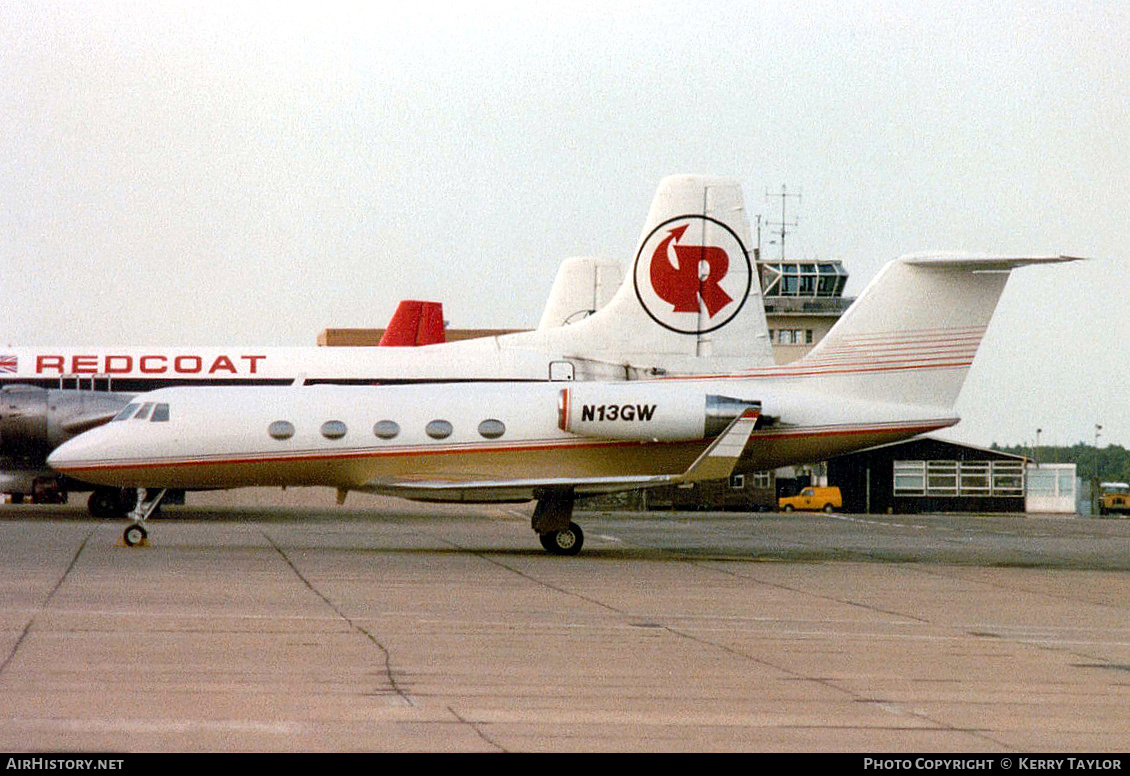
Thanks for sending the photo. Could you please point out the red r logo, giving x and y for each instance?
(692, 274)
(683, 285)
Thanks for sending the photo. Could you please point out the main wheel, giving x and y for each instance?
(107, 503)
(134, 535)
(567, 541)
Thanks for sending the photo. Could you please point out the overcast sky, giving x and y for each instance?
(233, 172)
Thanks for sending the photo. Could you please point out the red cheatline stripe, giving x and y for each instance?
(910, 427)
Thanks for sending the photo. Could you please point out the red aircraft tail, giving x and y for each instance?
(415, 323)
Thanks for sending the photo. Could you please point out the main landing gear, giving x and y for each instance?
(552, 520)
(146, 505)
(566, 541)
(111, 503)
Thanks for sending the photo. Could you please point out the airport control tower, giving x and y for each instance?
(803, 297)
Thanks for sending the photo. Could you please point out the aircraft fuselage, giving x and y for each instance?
(387, 437)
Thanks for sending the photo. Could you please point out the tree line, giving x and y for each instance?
(1106, 464)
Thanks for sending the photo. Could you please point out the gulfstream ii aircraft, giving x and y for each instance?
(891, 368)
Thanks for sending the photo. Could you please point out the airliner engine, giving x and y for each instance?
(647, 412)
(37, 420)
(33, 422)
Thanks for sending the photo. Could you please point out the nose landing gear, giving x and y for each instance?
(135, 533)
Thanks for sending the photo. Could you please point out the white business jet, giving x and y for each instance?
(891, 368)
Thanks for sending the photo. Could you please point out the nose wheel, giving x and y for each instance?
(135, 534)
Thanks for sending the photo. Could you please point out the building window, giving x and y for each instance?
(792, 336)
(910, 478)
(763, 479)
(941, 478)
(975, 479)
(823, 279)
(998, 479)
(1008, 478)
(737, 481)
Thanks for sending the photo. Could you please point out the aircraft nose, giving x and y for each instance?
(77, 453)
(67, 455)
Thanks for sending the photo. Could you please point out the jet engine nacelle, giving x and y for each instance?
(648, 412)
(34, 421)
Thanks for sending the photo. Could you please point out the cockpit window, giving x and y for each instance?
(160, 414)
(143, 413)
(126, 412)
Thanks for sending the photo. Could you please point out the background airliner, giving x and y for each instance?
(593, 327)
(891, 368)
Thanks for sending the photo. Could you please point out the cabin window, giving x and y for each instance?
(386, 429)
(160, 414)
(126, 412)
(281, 429)
(491, 429)
(333, 429)
(439, 429)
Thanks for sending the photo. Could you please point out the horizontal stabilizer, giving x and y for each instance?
(912, 334)
(981, 262)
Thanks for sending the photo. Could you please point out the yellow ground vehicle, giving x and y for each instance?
(1114, 498)
(812, 499)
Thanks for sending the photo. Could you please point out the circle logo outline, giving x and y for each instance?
(646, 242)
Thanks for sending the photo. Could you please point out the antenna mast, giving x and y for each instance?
(783, 224)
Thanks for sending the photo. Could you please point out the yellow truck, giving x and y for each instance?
(813, 499)
(1114, 498)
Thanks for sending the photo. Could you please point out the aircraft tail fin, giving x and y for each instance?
(691, 301)
(911, 336)
(583, 285)
(414, 323)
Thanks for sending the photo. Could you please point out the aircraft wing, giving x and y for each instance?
(717, 461)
